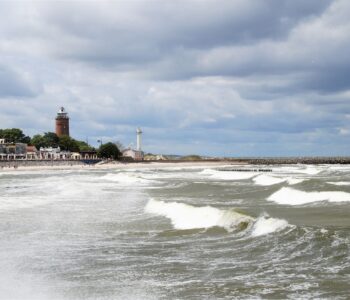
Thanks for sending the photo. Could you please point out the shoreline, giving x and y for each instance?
(114, 165)
(9, 166)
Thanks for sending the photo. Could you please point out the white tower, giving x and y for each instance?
(138, 140)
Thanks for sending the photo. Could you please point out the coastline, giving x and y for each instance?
(8, 166)
(114, 165)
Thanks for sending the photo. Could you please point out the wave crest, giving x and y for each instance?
(228, 175)
(126, 178)
(265, 225)
(267, 180)
(184, 216)
(289, 196)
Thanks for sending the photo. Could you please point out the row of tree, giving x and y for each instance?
(66, 143)
(50, 139)
(14, 135)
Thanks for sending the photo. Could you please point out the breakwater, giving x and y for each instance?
(294, 160)
(261, 160)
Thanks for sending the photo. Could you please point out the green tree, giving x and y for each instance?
(39, 141)
(66, 143)
(83, 146)
(51, 138)
(109, 150)
(14, 135)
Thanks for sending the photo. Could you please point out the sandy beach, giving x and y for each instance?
(123, 166)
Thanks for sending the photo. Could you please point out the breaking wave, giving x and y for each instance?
(289, 196)
(339, 182)
(184, 216)
(308, 170)
(267, 180)
(265, 225)
(227, 175)
(126, 179)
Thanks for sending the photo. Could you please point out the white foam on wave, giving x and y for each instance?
(265, 225)
(339, 182)
(308, 170)
(41, 191)
(228, 175)
(344, 168)
(266, 180)
(289, 196)
(126, 178)
(184, 216)
(293, 181)
(311, 170)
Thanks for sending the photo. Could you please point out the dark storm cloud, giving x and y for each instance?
(142, 31)
(262, 76)
(185, 39)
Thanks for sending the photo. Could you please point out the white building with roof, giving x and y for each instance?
(138, 153)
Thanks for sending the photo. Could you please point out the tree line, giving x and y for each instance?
(66, 143)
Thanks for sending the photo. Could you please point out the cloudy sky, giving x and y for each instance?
(212, 77)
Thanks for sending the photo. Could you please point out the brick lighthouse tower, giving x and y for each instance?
(62, 122)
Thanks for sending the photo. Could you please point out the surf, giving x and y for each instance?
(227, 175)
(266, 180)
(184, 216)
(290, 196)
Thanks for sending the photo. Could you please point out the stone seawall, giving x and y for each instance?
(39, 163)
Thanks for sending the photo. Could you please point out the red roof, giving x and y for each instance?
(31, 149)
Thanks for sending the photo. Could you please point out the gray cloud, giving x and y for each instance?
(256, 76)
(13, 84)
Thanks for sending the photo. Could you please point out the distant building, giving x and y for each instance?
(134, 154)
(53, 153)
(32, 153)
(92, 154)
(155, 157)
(84, 155)
(12, 151)
(62, 122)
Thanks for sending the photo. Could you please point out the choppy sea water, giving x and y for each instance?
(176, 233)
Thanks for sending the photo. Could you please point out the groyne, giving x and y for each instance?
(294, 160)
(265, 160)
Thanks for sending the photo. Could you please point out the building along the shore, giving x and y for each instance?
(132, 153)
(12, 151)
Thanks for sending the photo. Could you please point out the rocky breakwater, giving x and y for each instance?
(296, 160)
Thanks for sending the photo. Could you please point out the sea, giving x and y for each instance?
(179, 232)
